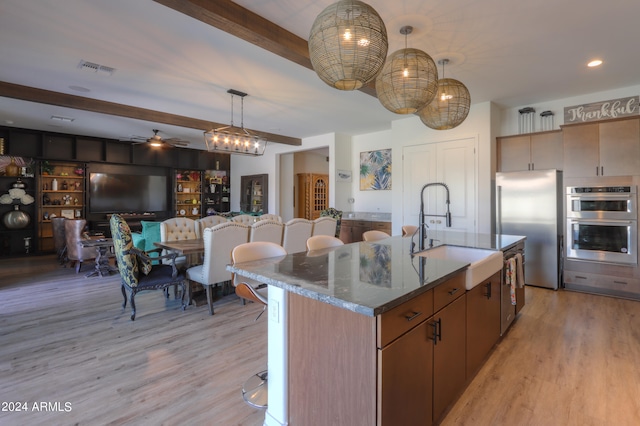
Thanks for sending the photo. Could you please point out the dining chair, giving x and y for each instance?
(318, 242)
(219, 242)
(177, 229)
(137, 273)
(266, 230)
(324, 226)
(208, 222)
(374, 235)
(270, 216)
(336, 214)
(296, 233)
(246, 219)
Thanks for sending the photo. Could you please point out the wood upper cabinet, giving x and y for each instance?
(602, 149)
(536, 151)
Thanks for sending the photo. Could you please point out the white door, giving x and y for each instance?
(452, 163)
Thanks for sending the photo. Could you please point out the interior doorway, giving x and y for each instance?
(291, 164)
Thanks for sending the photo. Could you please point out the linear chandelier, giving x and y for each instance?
(235, 140)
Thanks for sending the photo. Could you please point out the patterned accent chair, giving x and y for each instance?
(136, 271)
(296, 233)
(208, 222)
(336, 214)
(219, 242)
(267, 230)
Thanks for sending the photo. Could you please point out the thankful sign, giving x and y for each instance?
(604, 110)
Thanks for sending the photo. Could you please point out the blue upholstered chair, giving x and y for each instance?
(136, 271)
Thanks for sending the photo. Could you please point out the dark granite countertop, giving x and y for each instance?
(368, 278)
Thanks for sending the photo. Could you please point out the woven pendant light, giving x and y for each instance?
(348, 44)
(408, 80)
(451, 105)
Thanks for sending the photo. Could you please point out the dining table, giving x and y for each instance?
(192, 249)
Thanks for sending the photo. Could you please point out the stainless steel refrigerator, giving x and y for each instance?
(530, 203)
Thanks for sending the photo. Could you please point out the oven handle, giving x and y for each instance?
(600, 221)
(601, 196)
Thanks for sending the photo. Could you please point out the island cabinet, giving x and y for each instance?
(351, 230)
(402, 367)
(535, 151)
(608, 148)
(483, 322)
(449, 371)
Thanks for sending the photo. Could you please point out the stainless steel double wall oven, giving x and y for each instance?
(602, 224)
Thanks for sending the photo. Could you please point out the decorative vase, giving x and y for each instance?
(12, 168)
(16, 219)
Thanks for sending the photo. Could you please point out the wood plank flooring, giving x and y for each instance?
(569, 359)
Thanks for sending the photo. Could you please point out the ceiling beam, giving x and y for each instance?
(248, 26)
(25, 93)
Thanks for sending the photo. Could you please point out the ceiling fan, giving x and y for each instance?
(157, 140)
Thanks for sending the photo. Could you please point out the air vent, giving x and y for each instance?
(97, 68)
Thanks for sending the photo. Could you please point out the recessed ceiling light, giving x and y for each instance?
(595, 63)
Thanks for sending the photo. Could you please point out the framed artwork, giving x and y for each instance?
(375, 170)
(68, 214)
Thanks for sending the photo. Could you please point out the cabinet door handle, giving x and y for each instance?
(413, 316)
(601, 170)
(453, 291)
(488, 286)
(437, 330)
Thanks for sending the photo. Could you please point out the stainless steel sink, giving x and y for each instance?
(482, 263)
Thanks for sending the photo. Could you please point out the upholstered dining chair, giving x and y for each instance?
(319, 242)
(336, 214)
(59, 240)
(177, 229)
(296, 233)
(208, 222)
(246, 219)
(255, 389)
(136, 271)
(219, 242)
(324, 226)
(266, 230)
(374, 235)
(270, 216)
(73, 230)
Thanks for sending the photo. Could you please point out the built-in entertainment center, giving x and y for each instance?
(135, 180)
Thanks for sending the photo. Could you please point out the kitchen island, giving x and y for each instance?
(337, 317)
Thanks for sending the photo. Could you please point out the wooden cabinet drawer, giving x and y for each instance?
(448, 291)
(602, 283)
(382, 226)
(403, 318)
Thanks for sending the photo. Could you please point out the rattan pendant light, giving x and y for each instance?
(348, 44)
(451, 105)
(408, 80)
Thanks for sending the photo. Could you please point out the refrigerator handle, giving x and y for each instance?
(499, 209)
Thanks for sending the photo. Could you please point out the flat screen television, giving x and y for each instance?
(127, 193)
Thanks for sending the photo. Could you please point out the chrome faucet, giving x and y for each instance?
(422, 226)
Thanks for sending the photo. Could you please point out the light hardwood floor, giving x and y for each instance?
(569, 359)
